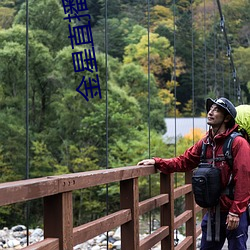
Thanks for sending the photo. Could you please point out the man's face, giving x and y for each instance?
(215, 116)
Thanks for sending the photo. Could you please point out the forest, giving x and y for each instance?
(155, 59)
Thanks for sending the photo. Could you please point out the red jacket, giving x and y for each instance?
(241, 167)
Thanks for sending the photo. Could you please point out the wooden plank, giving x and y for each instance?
(178, 192)
(90, 230)
(167, 210)
(24, 190)
(46, 244)
(198, 231)
(198, 228)
(99, 177)
(198, 209)
(154, 238)
(129, 195)
(185, 244)
(190, 205)
(182, 218)
(152, 203)
(58, 219)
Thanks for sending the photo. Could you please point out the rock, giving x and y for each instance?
(13, 243)
(100, 238)
(38, 232)
(117, 234)
(81, 246)
(103, 243)
(23, 240)
(91, 242)
(16, 238)
(18, 247)
(18, 234)
(117, 245)
(111, 239)
(95, 248)
(18, 228)
(111, 233)
(3, 233)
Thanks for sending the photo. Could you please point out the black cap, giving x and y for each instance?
(223, 103)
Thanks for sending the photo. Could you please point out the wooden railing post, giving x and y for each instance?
(129, 198)
(58, 219)
(190, 205)
(167, 210)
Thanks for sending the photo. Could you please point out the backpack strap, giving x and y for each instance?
(227, 148)
(203, 155)
(227, 151)
(203, 152)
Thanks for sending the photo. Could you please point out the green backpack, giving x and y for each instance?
(243, 120)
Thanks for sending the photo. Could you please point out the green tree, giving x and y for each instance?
(242, 64)
(161, 62)
(132, 78)
(40, 69)
(12, 124)
(160, 54)
(46, 19)
(42, 162)
(118, 30)
(161, 16)
(6, 17)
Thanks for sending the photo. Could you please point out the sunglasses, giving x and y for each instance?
(221, 102)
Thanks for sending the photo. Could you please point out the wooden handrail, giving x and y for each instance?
(58, 208)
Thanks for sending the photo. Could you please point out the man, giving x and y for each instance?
(221, 115)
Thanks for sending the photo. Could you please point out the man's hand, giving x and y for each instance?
(146, 162)
(232, 221)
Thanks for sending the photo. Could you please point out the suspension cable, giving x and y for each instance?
(149, 121)
(205, 49)
(221, 68)
(229, 53)
(27, 207)
(174, 74)
(175, 95)
(107, 124)
(192, 76)
(215, 52)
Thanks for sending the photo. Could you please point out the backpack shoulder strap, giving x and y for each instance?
(227, 148)
(203, 152)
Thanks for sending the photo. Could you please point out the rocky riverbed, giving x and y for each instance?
(16, 238)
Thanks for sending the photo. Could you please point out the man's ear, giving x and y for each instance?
(228, 118)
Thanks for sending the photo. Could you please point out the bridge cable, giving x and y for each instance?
(229, 53)
(149, 120)
(192, 73)
(27, 204)
(174, 76)
(107, 113)
(205, 48)
(222, 66)
(175, 95)
(215, 51)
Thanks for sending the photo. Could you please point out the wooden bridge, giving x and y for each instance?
(56, 192)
